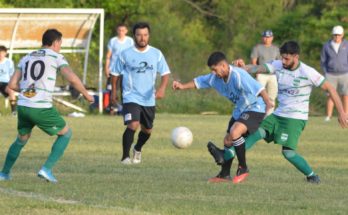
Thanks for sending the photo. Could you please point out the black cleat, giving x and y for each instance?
(218, 154)
(314, 179)
(220, 178)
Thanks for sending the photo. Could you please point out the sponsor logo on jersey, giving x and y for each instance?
(30, 92)
(143, 66)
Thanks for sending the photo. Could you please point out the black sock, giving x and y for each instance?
(142, 138)
(239, 146)
(226, 168)
(127, 140)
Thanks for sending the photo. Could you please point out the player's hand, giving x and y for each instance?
(269, 106)
(177, 85)
(343, 120)
(160, 93)
(107, 73)
(90, 99)
(239, 62)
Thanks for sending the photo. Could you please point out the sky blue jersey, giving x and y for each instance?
(139, 70)
(116, 46)
(6, 70)
(240, 88)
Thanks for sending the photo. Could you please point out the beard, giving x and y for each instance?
(141, 44)
(290, 66)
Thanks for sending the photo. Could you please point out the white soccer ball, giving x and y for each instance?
(181, 137)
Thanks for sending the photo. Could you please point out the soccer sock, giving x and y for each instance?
(13, 105)
(127, 140)
(58, 149)
(254, 137)
(13, 154)
(239, 146)
(142, 138)
(297, 160)
(226, 168)
(229, 153)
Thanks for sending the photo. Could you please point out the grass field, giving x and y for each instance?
(172, 181)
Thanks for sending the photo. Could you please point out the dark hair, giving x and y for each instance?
(215, 58)
(290, 47)
(141, 25)
(50, 36)
(121, 25)
(3, 49)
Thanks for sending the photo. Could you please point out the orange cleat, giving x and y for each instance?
(242, 174)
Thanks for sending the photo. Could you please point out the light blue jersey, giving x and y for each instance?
(116, 46)
(240, 88)
(139, 70)
(6, 70)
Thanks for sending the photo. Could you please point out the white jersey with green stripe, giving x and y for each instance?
(39, 71)
(294, 88)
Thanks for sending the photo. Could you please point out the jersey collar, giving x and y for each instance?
(146, 49)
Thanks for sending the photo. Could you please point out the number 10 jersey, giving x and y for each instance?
(39, 72)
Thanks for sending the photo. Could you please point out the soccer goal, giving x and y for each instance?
(21, 31)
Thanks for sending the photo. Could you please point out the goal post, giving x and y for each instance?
(21, 30)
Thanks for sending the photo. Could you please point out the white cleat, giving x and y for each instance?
(126, 161)
(136, 156)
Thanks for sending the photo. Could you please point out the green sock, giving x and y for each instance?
(298, 161)
(12, 154)
(58, 149)
(229, 153)
(254, 137)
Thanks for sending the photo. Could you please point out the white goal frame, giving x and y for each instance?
(79, 22)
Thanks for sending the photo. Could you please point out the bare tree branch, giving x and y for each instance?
(199, 9)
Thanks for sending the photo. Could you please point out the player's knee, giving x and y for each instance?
(288, 153)
(235, 134)
(22, 139)
(68, 133)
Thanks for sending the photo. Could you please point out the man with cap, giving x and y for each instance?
(334, 63)
(263, 53)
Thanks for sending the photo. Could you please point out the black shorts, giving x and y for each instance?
(250, 119)
(135, 112)
(3, 86)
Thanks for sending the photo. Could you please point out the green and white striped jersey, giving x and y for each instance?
(294, 88)
(39, 71)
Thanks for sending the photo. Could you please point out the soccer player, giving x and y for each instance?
(35, 80)
(139, 66)
(6, 71)
(285, 125)
(115, 46)
(251, 101)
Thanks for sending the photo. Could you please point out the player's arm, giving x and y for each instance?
(268, 102)
(160, 92)
(179, 86)
(114, 81)
(107, 63)
(342, 116)
(254, 61)
(14, 81)
(253, 69)
(75, 81)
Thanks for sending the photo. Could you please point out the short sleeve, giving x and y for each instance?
(110, 45)
(61, 61)
(118, 66)
(162, 66)
(254, 53)
(204, 81)
(315, 77)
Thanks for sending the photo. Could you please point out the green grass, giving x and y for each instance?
(172, 181)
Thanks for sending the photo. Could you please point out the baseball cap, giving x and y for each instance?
(337, 30)
(267, 33)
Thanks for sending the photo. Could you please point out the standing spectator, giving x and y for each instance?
(139, 66)
(115, 46)
(334, 63)
(263, 53)
(6, 71)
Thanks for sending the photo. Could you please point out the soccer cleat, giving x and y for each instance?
(241, 175)
(136, 157)
(218, 154)
(4, 177)
(327, 119)
(47, 175)
(314, 179)
(126, 161)
(219, 178)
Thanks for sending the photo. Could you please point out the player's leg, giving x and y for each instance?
(131, 115)
(24, 127)
(50, 121)
(329, 103)
(343, 91)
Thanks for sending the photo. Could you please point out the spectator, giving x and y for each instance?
(6, 71)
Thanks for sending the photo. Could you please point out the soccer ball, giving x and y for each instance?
(182, 137)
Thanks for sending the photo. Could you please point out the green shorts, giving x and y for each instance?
(47, 119)
(283, 131)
